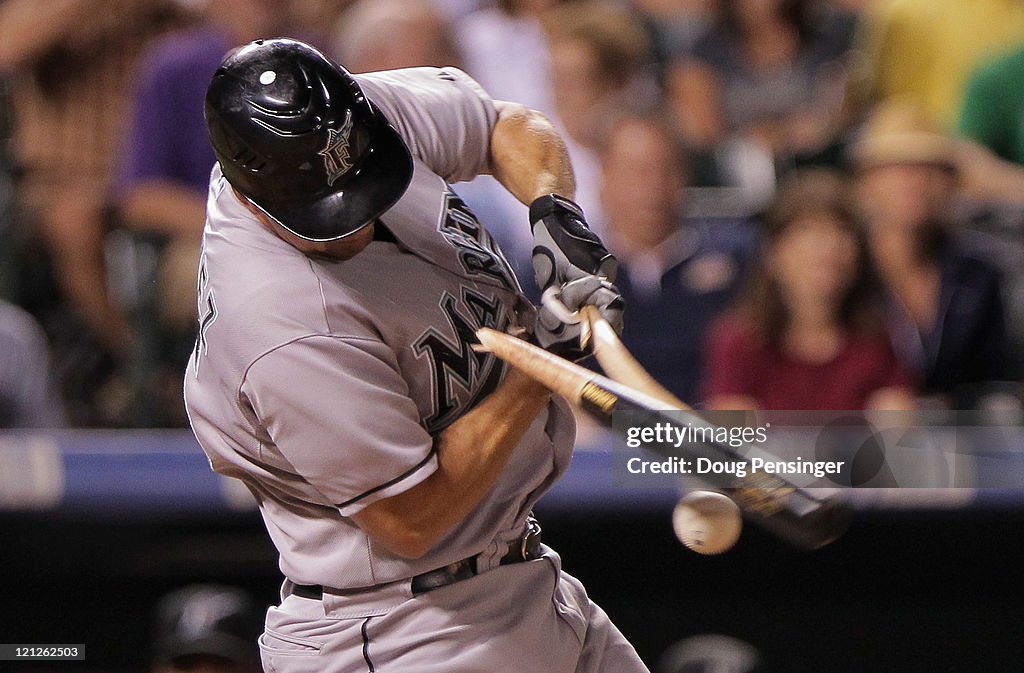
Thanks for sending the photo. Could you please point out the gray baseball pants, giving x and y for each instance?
(528, 617)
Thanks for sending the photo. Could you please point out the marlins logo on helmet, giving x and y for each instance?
(337, 159)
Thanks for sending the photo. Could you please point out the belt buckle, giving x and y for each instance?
(532, 536)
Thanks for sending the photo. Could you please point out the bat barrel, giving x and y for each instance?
(802, 518)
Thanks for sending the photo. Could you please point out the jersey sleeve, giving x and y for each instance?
(443, 115)
(340, 413)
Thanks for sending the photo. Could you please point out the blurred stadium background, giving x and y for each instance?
(685, 120)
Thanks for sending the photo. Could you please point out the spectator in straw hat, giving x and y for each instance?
(946, 306)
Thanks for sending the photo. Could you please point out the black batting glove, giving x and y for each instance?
(573, 269)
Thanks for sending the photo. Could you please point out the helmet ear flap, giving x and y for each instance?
(239, 152)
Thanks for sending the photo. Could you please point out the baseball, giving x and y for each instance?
(707, 522)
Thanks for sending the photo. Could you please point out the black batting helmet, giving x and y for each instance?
(295, 134)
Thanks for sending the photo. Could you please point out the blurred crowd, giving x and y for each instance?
(816, 204)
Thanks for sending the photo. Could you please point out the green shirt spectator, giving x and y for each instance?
(993, 110)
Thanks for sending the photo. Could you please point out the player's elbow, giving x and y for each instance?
(509, 111)
(516, 122)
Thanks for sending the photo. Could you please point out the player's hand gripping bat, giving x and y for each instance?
(793, 513)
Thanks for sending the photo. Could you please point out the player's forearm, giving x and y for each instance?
(471, 455)
(528, 157)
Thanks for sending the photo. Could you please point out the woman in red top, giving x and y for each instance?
(809, 332)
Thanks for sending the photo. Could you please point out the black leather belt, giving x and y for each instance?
(525, 548)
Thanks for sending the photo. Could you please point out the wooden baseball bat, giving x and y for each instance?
(619, 364)
(791, 512)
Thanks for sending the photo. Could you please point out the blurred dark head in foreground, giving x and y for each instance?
(207, 629)
(711, 653)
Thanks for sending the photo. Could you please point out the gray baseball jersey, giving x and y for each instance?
(323, 384)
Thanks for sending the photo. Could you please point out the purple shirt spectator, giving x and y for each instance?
(168, 137)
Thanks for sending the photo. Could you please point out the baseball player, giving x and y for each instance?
(340, 286)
